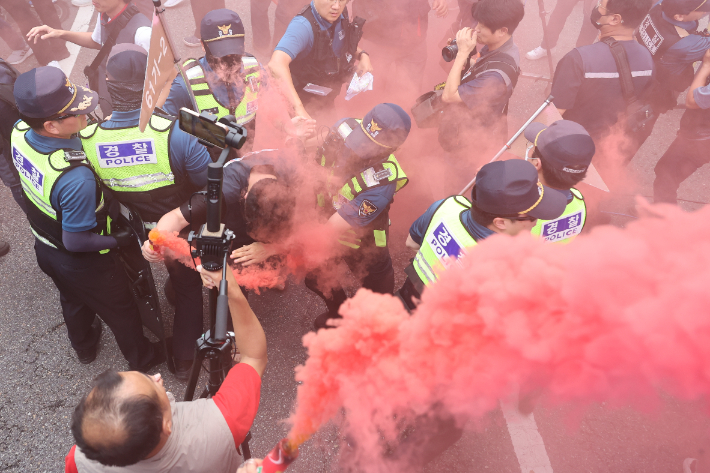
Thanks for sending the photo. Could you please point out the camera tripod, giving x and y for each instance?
(212, 244)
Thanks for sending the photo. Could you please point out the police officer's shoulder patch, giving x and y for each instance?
(367, 208)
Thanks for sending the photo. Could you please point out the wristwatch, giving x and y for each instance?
(359, 56)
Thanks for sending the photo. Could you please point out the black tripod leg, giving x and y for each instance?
(194, 372)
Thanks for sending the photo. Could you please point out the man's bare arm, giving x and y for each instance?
(281, 72)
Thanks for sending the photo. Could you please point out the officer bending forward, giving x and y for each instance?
(357, 197)
(69, 217)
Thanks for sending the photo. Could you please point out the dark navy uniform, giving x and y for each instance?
(365, 177)
(69, 218)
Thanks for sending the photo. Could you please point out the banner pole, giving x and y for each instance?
(507, 146)
(159, 11)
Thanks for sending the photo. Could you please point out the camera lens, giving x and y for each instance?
(449, 52)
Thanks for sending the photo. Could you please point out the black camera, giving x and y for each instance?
(449, 52)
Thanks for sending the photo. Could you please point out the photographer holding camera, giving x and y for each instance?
(477, 94)
(128, 422)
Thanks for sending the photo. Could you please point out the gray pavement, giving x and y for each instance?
(41, 381)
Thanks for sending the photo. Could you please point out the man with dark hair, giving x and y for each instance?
(129, 423)
(153, 171)
(670, 33)
(561, 153)
(69, 218)
(478, 93)
(258, 207)
(365, 176)
(587, 87)
(317, 55)
(508, 198)
(691, 148)
(119, 21)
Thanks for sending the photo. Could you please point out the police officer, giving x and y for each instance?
(689, 150)
(587, 86)
(357, 197)
(670, 33)
(257, 206)
(226, 80)
(474, 123)
(317, 55)
(561, 153)
(154, 171)
(507, 198)
(68, 216)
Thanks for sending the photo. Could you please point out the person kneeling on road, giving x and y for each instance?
(129, 423)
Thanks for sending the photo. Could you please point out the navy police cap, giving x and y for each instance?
(45, 92)
(565, 145)
(222, 31)
(383, 129)
(511, 188)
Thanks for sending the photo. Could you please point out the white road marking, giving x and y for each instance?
(81, 23)
(527, 441)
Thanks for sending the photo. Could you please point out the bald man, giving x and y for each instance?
(129, 423)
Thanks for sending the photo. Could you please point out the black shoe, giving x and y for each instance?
(182, 369)
(169, 292)
(324, 319)
(157, 358)
(87, 355)
(4, 248)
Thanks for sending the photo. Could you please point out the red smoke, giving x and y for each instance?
(309, 248)
(614, 316)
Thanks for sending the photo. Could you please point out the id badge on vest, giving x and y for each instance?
(445, 245)
(28, 170)
(126, 153)
(562, 228)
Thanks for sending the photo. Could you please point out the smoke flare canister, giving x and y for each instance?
(279, 458)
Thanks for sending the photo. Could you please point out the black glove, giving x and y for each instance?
(123, 236)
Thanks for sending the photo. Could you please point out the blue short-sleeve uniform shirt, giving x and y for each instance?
(298, 40)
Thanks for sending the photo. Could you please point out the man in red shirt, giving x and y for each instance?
(129, 423)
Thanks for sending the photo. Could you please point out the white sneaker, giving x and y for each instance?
(19, 55)
(537, 53)
(55, 64)
(171, 3)
(81, 3)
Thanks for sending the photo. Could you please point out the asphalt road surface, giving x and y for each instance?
(41, 380)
